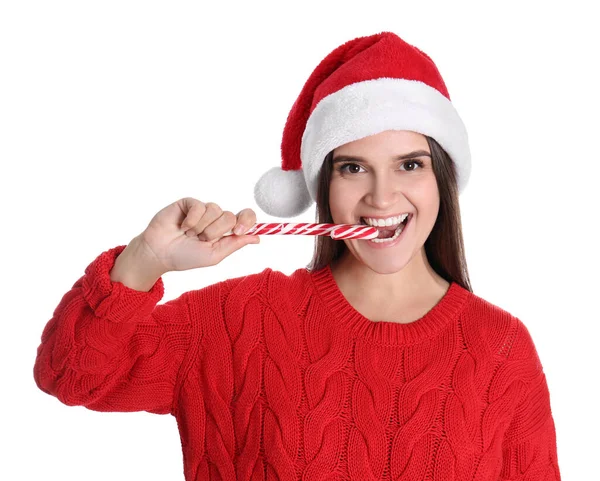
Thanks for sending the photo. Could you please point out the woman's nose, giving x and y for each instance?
(383, 192)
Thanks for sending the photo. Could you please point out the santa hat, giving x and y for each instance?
(365, 86)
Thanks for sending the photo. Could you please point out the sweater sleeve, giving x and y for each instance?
(529, 446)
(111, 348)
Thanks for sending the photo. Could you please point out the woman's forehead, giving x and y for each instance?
(387, 143)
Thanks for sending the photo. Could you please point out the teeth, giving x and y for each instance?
(385, 222)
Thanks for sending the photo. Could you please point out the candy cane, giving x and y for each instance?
(336, 231)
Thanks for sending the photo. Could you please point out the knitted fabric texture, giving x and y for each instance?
(278, 377)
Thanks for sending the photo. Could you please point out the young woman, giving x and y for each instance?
(375, 362)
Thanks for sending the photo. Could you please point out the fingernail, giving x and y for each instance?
(239, 229)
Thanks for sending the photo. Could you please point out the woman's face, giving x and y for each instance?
(369, 180)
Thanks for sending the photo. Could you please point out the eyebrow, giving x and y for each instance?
(410, 155)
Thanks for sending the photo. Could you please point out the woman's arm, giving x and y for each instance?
(109, 347)
(529, 445)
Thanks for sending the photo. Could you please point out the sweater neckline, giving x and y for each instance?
(348, 318)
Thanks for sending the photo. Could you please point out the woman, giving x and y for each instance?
(376, 362)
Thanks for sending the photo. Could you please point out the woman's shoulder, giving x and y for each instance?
(482, 307)
(501, 328)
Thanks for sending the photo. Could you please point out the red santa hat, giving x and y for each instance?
(365, 86)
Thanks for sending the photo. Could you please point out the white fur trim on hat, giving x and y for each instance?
(373, 106)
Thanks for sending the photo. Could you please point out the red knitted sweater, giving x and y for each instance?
(278, 377)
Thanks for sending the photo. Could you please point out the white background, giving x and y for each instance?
(112, 110)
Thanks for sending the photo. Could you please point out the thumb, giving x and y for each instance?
(229, 244)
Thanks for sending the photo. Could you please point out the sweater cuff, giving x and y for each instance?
(114, 300)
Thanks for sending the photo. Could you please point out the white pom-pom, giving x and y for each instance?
(282, 193)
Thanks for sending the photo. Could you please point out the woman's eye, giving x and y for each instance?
(353, 171)
(416, 162)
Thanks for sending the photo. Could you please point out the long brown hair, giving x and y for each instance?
(444, 247)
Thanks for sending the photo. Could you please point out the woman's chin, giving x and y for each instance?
(384, 266)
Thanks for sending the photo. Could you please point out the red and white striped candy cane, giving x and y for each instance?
(336, 231)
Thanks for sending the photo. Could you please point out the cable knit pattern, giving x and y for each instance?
(276, 377)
